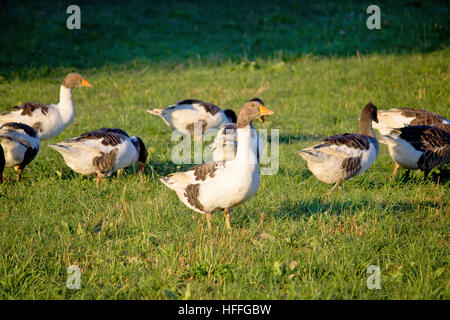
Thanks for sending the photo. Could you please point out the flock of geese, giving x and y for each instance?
(416, 139)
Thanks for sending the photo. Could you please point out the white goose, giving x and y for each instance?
(48, 120)
(20, 144)
(343, 156)
(398, 118)
(102, 152)
(185, 115)
(418, 147)
(223, 185)
(224, 146)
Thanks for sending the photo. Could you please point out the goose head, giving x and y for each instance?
(75, 80)
(261, 119)
(250, 111)
(369, 112)
(142, 152)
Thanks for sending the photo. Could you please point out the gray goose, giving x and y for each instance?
(343, 156)
(398, 118)
(418, 147)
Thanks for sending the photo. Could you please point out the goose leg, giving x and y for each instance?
(337, 184)
(394, 172)
(19, 172)
(226, 213)
(119, 172)
(99, 178)
(208, 220)
(408, 175)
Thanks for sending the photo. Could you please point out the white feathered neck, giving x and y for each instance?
(65, 106)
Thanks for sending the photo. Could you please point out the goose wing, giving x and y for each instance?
(29, 113)
(20, 133)
(423, 137)
(342, 146)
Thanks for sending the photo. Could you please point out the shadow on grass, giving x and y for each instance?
(440, 175)
(301, 210)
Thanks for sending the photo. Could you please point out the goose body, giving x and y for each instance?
(185, 115)
(102, 152)
(418, 147)
(48, 120)
(223, 185)
(343, 156)
(398, 118)
(20, 145)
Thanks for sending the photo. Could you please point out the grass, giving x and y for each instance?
(133, 239)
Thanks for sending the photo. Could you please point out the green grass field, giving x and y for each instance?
(133, 239)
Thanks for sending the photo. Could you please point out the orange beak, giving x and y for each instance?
(84, 83)
(263, 111)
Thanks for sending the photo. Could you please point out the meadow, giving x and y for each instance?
(315, 64)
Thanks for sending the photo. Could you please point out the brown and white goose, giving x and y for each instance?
(418, 147)
(102, 152)
(20, 144)
(224, 146)
(343, 156)
(185, 115)
(223, 185)
(48, 120)
(398, 118)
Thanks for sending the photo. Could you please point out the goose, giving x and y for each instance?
(223, 185)
(102, 152)
(418, 147)
(184, 115)
(224, 146)
(343, 156)
(20, 144)
(48, 120)
(398, 118)
(2, 163)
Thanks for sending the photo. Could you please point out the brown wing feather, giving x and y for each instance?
(430, 159)
(28, 108)
(423, 137)
(105, 162)
(110, 138)
(422, 117)
(355, 141)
